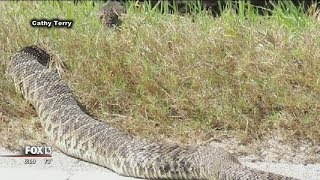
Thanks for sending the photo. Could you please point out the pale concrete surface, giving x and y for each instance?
(299, 171)
(64, 167)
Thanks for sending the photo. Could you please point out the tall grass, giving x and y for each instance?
(180, 77)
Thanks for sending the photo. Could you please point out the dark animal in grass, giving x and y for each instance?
(110, 14)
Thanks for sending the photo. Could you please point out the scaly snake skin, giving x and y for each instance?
(79, 135)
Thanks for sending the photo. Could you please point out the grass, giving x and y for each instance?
(183, 78)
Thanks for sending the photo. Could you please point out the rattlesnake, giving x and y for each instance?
(79, 135)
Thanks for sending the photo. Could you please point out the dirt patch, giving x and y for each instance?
(273, 149)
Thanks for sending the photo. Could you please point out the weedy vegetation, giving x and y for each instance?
(185, 78)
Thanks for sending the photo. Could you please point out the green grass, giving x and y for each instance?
(179, 77)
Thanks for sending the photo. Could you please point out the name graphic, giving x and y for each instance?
(54, 23)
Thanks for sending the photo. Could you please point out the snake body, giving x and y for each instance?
(79, 135)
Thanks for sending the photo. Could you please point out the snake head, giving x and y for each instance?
(40, 54)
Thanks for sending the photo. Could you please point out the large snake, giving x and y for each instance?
(79, 135)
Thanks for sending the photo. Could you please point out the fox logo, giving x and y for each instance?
(38, 150)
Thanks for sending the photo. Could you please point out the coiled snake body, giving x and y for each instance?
(79, 135)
